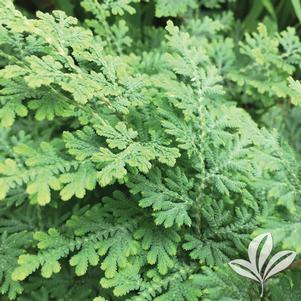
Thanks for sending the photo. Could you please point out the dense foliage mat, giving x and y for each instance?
(144, 144)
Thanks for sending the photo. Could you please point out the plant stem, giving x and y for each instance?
(262, 289)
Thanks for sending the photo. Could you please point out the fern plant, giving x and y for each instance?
(130, 168)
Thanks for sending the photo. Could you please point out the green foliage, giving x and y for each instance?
(10, 248)
(167, 198)
(219, 284)
(270, 58)
(133, 161)
(289, 283)
(166, 8)
(224, 236)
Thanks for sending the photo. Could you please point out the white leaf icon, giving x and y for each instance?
(235, 265)
(283, 264)
(265, 251)
(252, 270)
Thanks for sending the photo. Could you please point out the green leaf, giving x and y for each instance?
(168, 197)
(160, 245)
(119, 137)
(166, 8)
(78, 182)
(297, 8)
(125, 281)
(87, 255)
